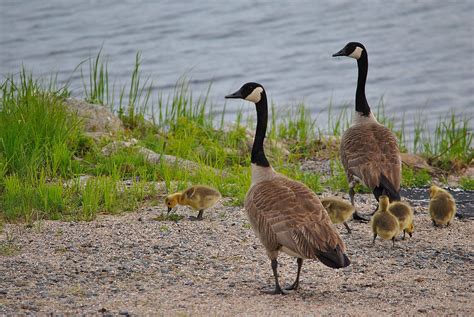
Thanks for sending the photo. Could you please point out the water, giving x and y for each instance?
(421, 53)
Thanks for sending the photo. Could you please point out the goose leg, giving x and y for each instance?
(295, 285)
(278, 289)
(347, 227)
(376, 208)
(356, 215)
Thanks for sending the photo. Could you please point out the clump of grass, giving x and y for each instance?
(97, 89)
(449, 146)
(415, 178)
(37, 133)
(170, 217)
(467, 183)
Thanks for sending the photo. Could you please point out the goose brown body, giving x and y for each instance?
(442, 206)
(287, 216)
(369, 152)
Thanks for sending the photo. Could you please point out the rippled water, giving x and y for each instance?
(421, 53)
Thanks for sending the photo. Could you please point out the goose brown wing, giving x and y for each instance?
(285, 213)
(369, 151)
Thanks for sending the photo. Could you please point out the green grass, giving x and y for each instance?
(43, 147)
(467, 183)
(415, 178)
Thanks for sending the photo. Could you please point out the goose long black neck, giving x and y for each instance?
(362, 106)
(258, 154)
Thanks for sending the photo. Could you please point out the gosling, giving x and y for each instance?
(404, 214)
(339, 210)
(198, 197)
(383, 223)
(442, 206)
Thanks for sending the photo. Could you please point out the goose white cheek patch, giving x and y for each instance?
(256, 95)
(357, 53)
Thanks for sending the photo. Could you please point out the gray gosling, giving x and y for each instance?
(198, 197)
(442, 207)
(339, 210)
(383, 223)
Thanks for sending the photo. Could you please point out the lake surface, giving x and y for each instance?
(421, 53)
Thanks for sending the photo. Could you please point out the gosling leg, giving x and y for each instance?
(393, 242)
(199, 216)
(347, 227)
(404, 231)
(295, 285)
(375, 236)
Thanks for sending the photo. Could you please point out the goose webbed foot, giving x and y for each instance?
(360, 218)
(277, 291)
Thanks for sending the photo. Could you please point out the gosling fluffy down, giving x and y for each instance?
(404, 214)
(198, 197)
(383, 223)
(442, 207)
(339, 210)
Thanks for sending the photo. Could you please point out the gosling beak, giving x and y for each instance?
(340, 53)
(235, 95)
(169, 209)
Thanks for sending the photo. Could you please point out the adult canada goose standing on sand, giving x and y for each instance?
(369, 151)
(285, 214)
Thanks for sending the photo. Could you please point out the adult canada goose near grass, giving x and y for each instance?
(369, 151)
(285, 214)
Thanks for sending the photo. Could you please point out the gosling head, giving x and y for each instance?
(434, 190)
(250, 91)
(172, 200)
(352, 49)
(383, 203)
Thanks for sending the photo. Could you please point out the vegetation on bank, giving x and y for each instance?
(44, 148)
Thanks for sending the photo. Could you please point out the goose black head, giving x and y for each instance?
(352, 49)
(249, 91)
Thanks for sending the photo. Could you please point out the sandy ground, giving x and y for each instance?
(133, 264)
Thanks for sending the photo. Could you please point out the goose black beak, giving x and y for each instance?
(169, 209)
(340, 53)
(235, 95)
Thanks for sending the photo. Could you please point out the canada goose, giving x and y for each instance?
(198, 197)
(369, 151)
(285, 214)
(383, 223)
(442, 206)
(404, 214)
(339, 210)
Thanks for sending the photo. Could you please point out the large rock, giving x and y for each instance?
(415, 161)
(95, 118)
(153, 157)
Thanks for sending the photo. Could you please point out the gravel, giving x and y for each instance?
(132, 264)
